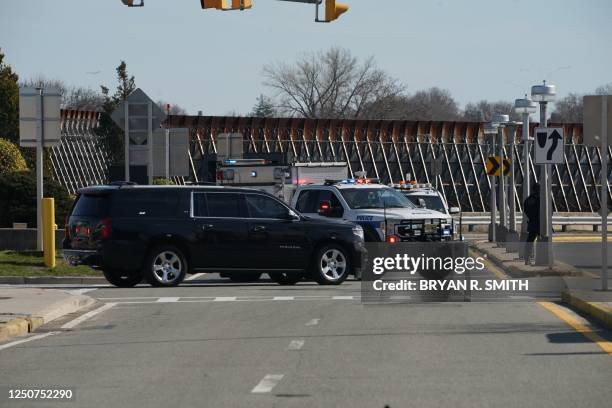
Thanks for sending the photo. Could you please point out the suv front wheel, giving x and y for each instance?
(122, 279)
(331, 265)
(165, 266)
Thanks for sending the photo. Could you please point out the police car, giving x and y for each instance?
(384, 213)
(425, 196)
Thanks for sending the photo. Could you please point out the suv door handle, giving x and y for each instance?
(259, 228)
(208, 227)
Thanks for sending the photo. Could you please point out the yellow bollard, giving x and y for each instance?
(48, 225)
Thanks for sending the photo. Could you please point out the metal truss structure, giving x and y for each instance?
(80, 159)
(387, 150)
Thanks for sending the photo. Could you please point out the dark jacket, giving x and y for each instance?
(531, 208)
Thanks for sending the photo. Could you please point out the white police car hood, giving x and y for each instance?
(400, 214)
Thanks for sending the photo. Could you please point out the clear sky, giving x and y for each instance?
(212, 60)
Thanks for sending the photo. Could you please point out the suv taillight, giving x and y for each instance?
(106, 228)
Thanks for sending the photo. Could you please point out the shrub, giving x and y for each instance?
(18, 204)
(11, 159)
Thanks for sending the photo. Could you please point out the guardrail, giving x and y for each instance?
(558, 219)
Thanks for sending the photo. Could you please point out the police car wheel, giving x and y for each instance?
(331, 265)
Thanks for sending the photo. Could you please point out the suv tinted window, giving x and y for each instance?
(307, 201)
(200, 208)
(224, 205)
(90, 205)
(261, 206)
(155, 203)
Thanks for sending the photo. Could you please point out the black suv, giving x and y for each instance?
(162, 233)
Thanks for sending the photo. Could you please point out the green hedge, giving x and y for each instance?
(18, 203)
(11, 158)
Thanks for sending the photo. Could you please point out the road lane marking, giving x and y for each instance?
(342, 298)
(195, 276)
(577, 325)
(313, 322)
(267, 384)
(15, 343)
(88, 315)
(283, 298)
(295, 345)
(225, 299)
(168, 299)
(81, 291)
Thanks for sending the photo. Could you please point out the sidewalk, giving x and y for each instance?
(516, 268)
(596, 304)
(23, 310)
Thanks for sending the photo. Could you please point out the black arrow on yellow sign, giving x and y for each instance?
(494, 166)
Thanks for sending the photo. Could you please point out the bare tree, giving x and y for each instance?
(482, 111)
(568, 109)
(73, 97)
(604, 89)
(174, 109)
(332, 84)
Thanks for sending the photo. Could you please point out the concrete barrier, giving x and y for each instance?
(24, 239)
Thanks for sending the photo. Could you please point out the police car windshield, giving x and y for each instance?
(362, 198)
(431, 202)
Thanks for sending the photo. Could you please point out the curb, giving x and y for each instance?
(19, 326)
(592, 309)
(559, 268)
(50, 280)
(23, 325)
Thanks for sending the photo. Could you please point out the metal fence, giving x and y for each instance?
(387, 150)
(80, 159)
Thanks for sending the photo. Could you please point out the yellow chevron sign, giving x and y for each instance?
(494, 166)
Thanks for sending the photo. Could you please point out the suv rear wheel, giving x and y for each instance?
(165, 266)
(123, 279)
(331, 265)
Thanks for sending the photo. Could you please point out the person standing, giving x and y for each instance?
(531, 209)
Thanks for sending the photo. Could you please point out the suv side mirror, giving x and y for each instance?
(291, 216)
(454, 210)
(325, 208)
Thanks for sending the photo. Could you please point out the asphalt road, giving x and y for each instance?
(210, 343)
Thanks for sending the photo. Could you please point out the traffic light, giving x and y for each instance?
(131, 3)
(333, 10)
(223, 4)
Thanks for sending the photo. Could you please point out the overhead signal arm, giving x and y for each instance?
(225, 4)
(333, 9)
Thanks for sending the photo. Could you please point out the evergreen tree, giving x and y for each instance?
(9, 102)
(264, 108)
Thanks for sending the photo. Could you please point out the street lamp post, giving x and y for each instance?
(525, 107)
(544, 94)
(499, 121)
(511, 235)
(490, 129)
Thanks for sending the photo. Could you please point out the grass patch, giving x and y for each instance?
(30, 263)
